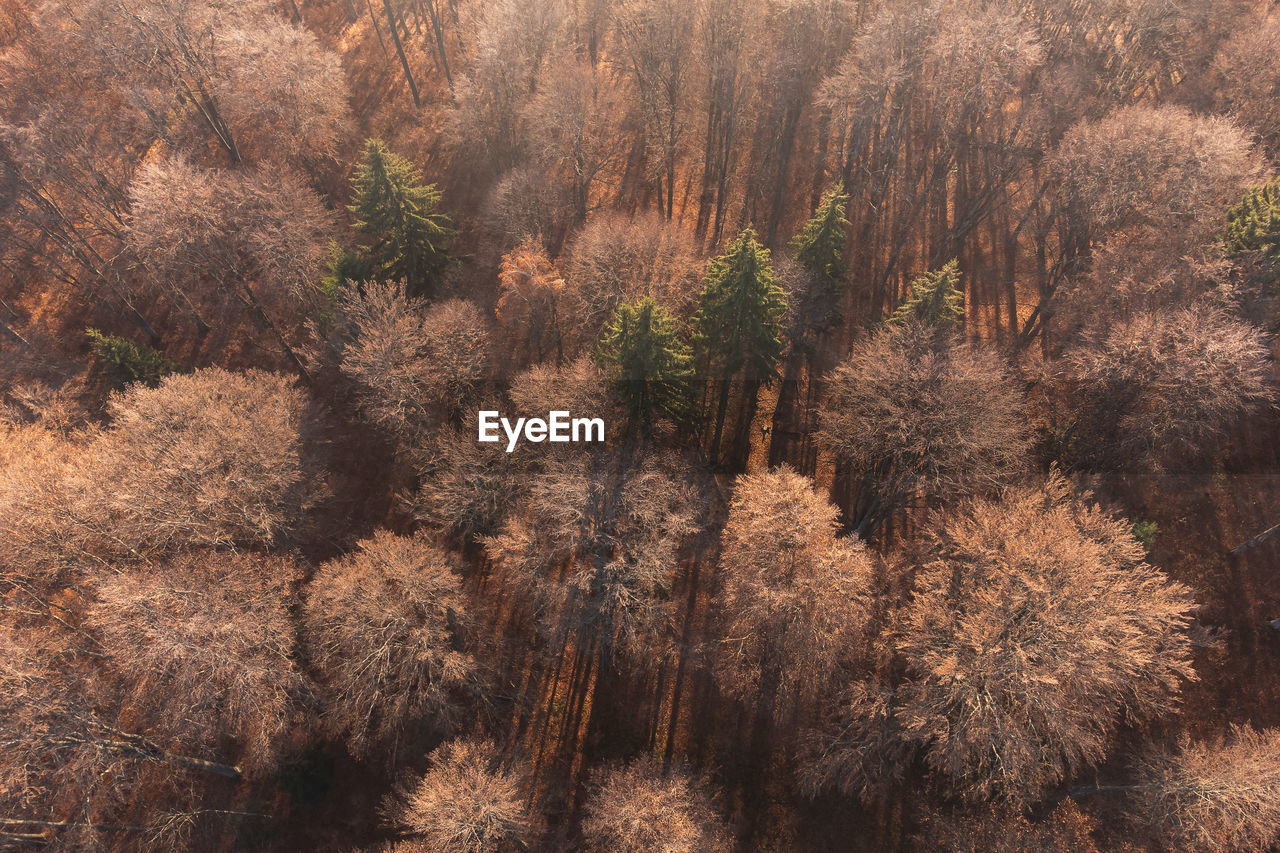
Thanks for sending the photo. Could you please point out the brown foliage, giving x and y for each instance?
(205, 646)
(536, 304)
(1161, 386)
(919, 420)
(639, 808)
(470, 801)
(1216, 796)
(615, 258)
(794, 591)
(382, 627)
(412, 363)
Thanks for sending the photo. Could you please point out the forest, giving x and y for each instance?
(934, 344)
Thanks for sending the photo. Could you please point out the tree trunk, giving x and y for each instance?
(433, 14)
(404, 62)
(786, 415)
(1256, 541)
(251, 299)
(746, 419)
(722, 408)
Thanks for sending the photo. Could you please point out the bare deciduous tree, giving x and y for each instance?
(259, 235)
(639, 808)
(1249, 83)
(1154, 166)
(261, 225)
(262, 88)
(573, 127)
(284, 93)
(383, 628)
(528, 200)
(617, 525)
(208, 458)
(466, 487)
(72, 760)
(470, 801)
(794, 591)
(205, 459)
(1161, 386)
(577, 387)
(615, 259)
(1216, 796)
(655, 41)
(205, 646)
(915, 420)
(1036, 626)
(412, 363)
(513, 42)
(37, 519)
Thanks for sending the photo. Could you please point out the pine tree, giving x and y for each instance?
(935, 299)
(818, 245)
(738, 325)
(1253, 228)
(650, 367)
(411, 236)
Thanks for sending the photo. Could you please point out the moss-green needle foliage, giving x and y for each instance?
(411, 236)
(818, 245)
(935, 299)
(738, 326)
(124, 362)
(649, 367)
(1253, 228)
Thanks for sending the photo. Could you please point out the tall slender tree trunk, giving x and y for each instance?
(377, 30)
(722, 409)
(786, 425)
(404, 62)
(251, 299)
(437, 28)
(746, 420)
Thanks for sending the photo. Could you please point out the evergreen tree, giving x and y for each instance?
(818, 245)
(125, 362)
(650, 367)
(346, 266)
(1253, 228)
(738, 325)
(935, 299)
(411, 236)
(818, 250)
